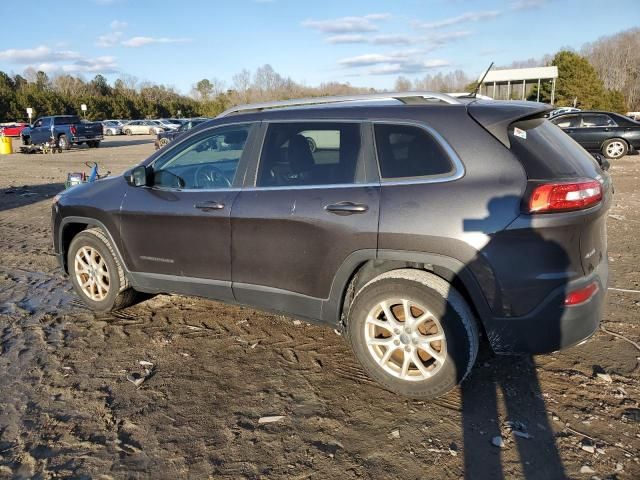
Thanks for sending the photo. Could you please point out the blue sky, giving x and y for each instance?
(365, 43)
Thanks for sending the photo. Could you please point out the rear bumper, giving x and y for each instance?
(551, 326)
(86, 138)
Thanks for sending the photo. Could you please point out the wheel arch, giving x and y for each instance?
(364, 265)
(624, 140)
(72, 226)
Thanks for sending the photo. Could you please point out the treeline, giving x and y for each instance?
(64, 94)
(128, 98)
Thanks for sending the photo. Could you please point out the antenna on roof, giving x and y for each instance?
(480, 80)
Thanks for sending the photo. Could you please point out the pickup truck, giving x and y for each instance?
(67, 129)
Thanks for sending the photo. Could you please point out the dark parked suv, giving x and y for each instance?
(416, 223)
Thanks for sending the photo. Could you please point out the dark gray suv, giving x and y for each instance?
(413, 222)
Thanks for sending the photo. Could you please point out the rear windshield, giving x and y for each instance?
(67, 120)
(546, 152)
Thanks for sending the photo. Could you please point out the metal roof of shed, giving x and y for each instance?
(519, 74)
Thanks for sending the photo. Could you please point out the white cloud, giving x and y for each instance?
(106, 64)
(527, 4)
(135, 42)
(464, 18)
(347, 24)
(58, 61)
(405, 62)
(109, 39)
(347, 38)
(38, 54)
(118, 25)
(405, 68)
(373, 59)
(397, 39)
(428, 42)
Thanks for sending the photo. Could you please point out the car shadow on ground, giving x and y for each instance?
(509, 384)
(21, 195)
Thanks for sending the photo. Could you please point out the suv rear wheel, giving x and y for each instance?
(413, 333)
(96, 274)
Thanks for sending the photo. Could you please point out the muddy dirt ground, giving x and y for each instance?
(68, 410)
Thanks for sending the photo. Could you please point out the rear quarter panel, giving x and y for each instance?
(457, 218)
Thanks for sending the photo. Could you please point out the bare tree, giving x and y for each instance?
(403, 84)
(616, 58)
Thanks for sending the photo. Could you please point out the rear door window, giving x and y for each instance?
(597, 120)
(406, 151)
(303, 153)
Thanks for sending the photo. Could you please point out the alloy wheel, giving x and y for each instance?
(92, 273)
(615, 149)
(405, 339)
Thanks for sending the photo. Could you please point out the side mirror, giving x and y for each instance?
(139, 176)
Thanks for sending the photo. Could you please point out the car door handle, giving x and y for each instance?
(209, 205)
(346, 208)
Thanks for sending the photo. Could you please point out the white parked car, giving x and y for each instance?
(142, 127)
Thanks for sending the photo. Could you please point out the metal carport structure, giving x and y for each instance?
(519, 77)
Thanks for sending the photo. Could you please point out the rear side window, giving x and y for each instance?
(547, 153)
(309, 154)
(405, 151)
(67, 120)
(567, 121)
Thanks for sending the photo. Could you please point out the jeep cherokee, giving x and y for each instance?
(424, 223)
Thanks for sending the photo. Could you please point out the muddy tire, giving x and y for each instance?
(413, 333)
(97, 276)
(615, 148)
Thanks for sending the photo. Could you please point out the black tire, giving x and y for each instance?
(127, 132)
(614, 148)
(63, 142)
(445, 304)
(26, 140)
(108, 132)
(119, 295)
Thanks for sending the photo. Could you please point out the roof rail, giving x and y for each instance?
(404, 97)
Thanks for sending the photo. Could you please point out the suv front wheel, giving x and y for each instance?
(96, 274)
(413, 333)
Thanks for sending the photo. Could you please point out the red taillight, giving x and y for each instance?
(581, 295)
(73, 130)
(562, 197)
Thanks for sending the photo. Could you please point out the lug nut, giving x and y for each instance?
(407, 330)
(407, 348)
(396, 342)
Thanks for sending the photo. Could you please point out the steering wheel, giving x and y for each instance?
(208, 176)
